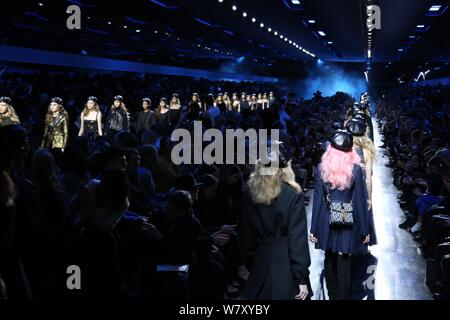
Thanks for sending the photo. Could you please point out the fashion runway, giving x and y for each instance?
(395, 268)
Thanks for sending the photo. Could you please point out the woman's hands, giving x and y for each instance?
(366, 239)
(303, 292)
(313, 238)
(219, 238)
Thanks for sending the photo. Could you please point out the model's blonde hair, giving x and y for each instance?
(367, 145)
(11, 113)
(265, 183)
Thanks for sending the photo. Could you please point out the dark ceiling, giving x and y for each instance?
(209, 34)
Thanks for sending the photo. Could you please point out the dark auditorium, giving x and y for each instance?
(215, 158)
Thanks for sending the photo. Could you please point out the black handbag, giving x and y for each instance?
(341, 213)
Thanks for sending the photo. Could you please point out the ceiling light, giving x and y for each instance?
(138, 30)
(262, 25)
(220, 1)
(412, 37)
(40, 4)
(369, 53)
(109, 22)
(275, 33)
(244, 14)
(234, 8)
(400, 50)
(295, 1)
(125, 27)
(321, 33)
(269, 29)
(290, 41)
(435, 8)
(311, 21)
(281, 36)
(330, 42)
(420, 26)
(253, 19)
(285, 39)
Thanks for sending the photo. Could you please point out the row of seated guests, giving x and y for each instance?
(101, 215)
(118, 207)
(414, 122)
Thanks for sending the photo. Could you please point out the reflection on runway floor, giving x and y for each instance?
(395, 269)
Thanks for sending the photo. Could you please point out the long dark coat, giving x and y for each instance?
(276, 236)
(144, 120)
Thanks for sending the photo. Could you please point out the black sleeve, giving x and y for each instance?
(248, 236)
(360, 202)
(125, 120)
(298, 240)
(152, 119)
(202, 238)
(318, 202)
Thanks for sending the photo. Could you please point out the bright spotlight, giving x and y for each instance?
(253, 20)
(262, 25)
(234, 8)
(269, 29)
(244, 14)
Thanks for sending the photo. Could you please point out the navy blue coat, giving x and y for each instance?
(341, 239)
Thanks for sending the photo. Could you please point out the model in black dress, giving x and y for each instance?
(91, 120)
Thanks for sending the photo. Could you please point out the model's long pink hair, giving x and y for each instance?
(337, 167)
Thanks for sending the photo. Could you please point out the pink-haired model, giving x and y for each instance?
(340, 189)
(337, 167)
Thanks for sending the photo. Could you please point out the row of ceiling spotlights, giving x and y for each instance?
(275, 33)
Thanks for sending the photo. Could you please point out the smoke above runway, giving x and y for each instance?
(329, 79)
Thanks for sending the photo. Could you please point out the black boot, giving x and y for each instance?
(344, 277)
(331, 274)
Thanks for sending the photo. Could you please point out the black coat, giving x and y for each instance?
(276, 235)
(144, 120)
(113, 116)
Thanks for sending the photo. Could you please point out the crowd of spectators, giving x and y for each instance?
(415, 125)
